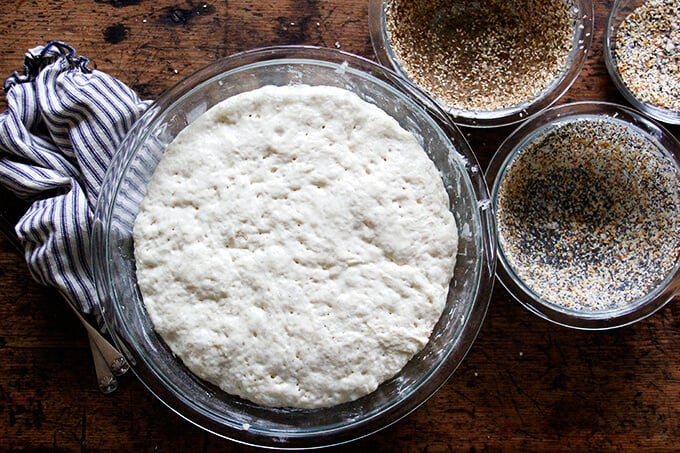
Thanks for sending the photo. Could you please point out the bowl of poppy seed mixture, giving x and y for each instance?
(587, 205)
(488, 63)
(642, 53)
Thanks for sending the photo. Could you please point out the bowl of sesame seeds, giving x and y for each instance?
(488, 63)
(642, 53)
(587, 205)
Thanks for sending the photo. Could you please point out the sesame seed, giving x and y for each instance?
(588, 214)
(481, 56)
(647, 53)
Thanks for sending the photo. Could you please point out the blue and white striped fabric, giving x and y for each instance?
(62, 125)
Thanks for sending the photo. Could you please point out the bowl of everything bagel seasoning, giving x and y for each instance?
(642, 53)
(489, 63)
(587, 205)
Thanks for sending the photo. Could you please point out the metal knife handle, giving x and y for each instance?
(106, 381)
(107, 359)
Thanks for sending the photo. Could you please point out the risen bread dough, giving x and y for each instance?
(295, 246)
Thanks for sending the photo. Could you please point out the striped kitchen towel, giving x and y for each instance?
(62, 125)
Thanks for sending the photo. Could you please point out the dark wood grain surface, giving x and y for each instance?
(525, 385)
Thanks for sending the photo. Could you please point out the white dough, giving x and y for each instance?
(295, 246)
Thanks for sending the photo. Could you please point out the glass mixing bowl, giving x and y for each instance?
(617, 16)
(545, 180)
(122, 305)
(582, 26)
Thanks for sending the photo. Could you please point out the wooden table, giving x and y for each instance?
(526, 384)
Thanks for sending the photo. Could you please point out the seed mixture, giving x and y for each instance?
(647, 53)
(481, 56)
(589, 215)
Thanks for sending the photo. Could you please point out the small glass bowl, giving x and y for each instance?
(122, 305)
(618, 14)
(535, 128)
(582, 39)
